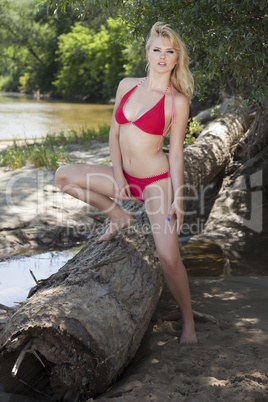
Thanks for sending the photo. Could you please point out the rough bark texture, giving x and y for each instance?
(211, 151)
(86, 322)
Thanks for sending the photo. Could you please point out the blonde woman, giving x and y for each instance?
(145, 110)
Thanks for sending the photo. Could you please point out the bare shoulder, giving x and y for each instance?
(181, 101)
(127, 83)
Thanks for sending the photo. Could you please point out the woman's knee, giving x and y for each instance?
(61, 176)
(169, 262)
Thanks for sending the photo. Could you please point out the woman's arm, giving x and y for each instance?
(176, 159)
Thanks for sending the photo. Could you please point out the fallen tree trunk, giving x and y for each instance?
(212, 150)
(84, 324)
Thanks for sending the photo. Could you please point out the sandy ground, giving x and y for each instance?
(230, 362)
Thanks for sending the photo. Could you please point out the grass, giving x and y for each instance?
(83, 137)
(37, 154)
(52, 150)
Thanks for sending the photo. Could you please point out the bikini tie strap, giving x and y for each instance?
(172, 114)
(173, 104)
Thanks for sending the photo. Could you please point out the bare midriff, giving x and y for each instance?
(139, 152)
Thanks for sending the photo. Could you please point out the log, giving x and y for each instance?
(207, 115)
(85, 323)
(213, 148)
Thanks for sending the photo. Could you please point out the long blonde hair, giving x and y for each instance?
(181, 76)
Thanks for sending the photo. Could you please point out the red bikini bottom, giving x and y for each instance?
(137, 185)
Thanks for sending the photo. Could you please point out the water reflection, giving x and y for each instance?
(24, 117)
(15, 277)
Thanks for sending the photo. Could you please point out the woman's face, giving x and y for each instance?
(162, 57)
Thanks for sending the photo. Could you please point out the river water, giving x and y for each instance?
(15, 276)
(23, 117)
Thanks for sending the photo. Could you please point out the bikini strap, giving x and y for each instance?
(172, 114)
(173, 104)
(167, 89)
(142, 81)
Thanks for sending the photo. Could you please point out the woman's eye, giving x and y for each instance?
(171, 51)
(156, 50)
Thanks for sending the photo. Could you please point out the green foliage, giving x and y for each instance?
(27, 47)
(227, 40)
(92, 63)
(24, 83)
(7, 83)
(30, 58)
(37, 154)
(47, 156)
(193, 129)
(136, 56)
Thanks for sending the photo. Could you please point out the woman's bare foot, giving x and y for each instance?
(115, 227)
(188, 334)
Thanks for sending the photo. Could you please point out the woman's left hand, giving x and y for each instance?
(179, 215)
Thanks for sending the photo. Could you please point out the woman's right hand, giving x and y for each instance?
(121, 187)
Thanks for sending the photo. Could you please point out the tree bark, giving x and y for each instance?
(85, 323)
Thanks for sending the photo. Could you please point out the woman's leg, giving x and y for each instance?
(158, 198)
(95, 186)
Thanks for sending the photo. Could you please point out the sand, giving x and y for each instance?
(230, 361)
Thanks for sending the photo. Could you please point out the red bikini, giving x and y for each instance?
(137, 185)
(151, 122)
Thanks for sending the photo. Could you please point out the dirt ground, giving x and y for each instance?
(230, 362)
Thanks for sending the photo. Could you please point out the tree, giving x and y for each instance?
(26, 45)
(227, 40)
(92, 63)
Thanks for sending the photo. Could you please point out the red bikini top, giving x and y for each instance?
(152, 121)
